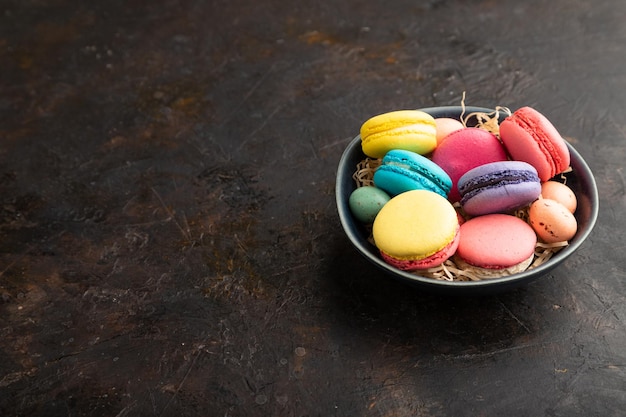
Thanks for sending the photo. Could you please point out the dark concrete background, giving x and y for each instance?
(169, 243)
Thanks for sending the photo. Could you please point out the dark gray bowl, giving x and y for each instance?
(580, 180)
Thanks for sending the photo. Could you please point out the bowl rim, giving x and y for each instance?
(364, 248)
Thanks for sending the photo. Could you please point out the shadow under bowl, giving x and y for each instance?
(580, 180)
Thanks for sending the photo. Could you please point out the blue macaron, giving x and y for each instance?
(403, 171)
(498, 187)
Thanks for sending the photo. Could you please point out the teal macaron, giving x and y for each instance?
(403, 171)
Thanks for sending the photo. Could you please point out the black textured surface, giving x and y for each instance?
(169, 241)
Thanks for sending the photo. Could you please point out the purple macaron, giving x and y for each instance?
(498, 187)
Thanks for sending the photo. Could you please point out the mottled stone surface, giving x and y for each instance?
(169, 243)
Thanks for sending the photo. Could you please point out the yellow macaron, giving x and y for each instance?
(411, 130)
(416, 230)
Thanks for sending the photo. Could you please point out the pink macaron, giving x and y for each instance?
(530, 137)
(465, 149)
(495, 245)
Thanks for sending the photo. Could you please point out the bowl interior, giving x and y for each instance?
(580, 180)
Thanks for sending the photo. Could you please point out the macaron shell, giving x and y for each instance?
(529, 136)
(552, 221)
(496, 241)
(412, 130)
(415, 225)
(465, 149)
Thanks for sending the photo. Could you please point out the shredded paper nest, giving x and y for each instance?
(449, 270)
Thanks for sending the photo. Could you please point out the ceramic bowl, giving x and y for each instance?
(581, 181)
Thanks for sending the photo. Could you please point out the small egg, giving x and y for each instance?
(560, 192)
(366, 202)
(445, 126)
(552, 221)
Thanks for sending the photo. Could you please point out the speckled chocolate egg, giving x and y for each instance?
(366, 202)
(552, 221)
(560, 192)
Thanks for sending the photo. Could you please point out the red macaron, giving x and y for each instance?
(530, 137)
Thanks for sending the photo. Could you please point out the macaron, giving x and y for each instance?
(416, 230)
(366, 202)
(552, 221)
(445, 126)
(412, 130)
(498, 187)
(495, 245)
(529, 136)
(402, 171)
(465, 149)
(557, 191)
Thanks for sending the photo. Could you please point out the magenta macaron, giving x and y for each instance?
(465, 149)
(529, 136)
(498, 187)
